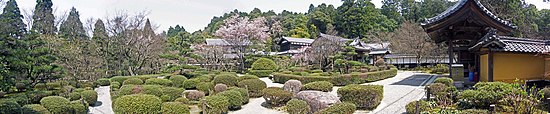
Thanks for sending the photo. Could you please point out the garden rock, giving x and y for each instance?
(292, 86)
(317, 100)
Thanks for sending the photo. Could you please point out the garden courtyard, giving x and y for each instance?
(405, 87)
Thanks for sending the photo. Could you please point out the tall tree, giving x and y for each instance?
(72, 28)
(12, 48)
(321, 16)
(392, 9)
(43, 18)
(358, 17)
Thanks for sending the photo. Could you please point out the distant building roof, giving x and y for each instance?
(512, 44)
(297, 40)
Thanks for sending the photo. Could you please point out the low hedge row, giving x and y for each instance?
(260, 73)
(320, 86)
(338, 80)
(103, 82)
(363, 96)
(137, 104)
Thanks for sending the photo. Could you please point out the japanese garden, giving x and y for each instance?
(353, 57)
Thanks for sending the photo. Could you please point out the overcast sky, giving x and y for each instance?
(191, 14)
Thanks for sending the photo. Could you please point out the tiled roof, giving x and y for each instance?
(512, 44)
(299, 40)
(459, 5)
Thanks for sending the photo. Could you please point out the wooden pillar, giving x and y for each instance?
(450, 52)
(490, 65)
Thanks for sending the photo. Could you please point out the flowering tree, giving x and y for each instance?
(242, 33)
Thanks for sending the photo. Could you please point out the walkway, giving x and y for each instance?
(103, 105)
(254, 106)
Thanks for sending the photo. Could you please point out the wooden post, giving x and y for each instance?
(451, 56)
(428, 93)
(490, 64)
(416, 111)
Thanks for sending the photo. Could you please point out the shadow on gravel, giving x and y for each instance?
(97, 103)
(415, 80)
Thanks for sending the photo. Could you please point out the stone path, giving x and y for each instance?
(103, 105)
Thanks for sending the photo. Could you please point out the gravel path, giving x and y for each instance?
(103, 105)
(254, 106)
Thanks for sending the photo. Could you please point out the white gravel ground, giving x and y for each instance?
(103, 98)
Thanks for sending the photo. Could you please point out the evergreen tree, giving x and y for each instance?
(356, 18)
(391, 9)
(102, 41)
(12, 48)
(43, 18)
(173, 31)
(72, 28)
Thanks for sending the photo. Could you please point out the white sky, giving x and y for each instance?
(191, 14)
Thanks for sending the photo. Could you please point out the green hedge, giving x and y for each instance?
(191, 83)
(34, 109)
(103, 82)
(90, 96)
(264, 64)
(151, 90)
(235, 98)
(132, 81)
(56, 104)
(229, 80)
(276, 96)
(205, 87)
(174, 108)
(216, 104)
(177, 80)
(119, 79)
(53, 85)
(172, 92)
(363, 96)
(78, 108)
(158, 81)
(243, 93)
(260, 73)
(126, 90)
(254, 86)
(9, 107)
(115, 85)
(137, 104)
(444, 80)
(422, 106)
(320, 86)
(296, 106)
(340, 108)
(338, 80)
(247, 76)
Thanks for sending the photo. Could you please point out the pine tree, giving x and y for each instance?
(43, 18)
(72, 28)
(12, 21)
(103, 44)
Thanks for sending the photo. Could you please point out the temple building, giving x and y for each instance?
(481, 42)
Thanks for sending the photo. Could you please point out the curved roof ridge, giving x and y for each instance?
(459, 5)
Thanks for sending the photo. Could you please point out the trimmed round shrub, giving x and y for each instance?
(228, 80)
(319, 85)
(191, 83)
(9, 107)
(340, 108)
(243, 93)
(115, 85)
(86, 85)
(194, 95)
(78, 108)
(363, 96)
(220, 88)
(119, 79)
(103, 82)
(260, 73)
(174, 108)
(422, 106)
(90, 96)
(254, 86)
(293, 86)
(247, 76)
(158, 81)
(444, 80)
(137, 104)
(205, 87)
(165, 98)
(34, 109)
(172, 92)
(53, 85)
(132, 81)
(151, 90)
(40, 86)
(264, 64)
(74, 96)
(20, 98)
(216, 104)
(126, 90)
(473, 111)
(36, 96)
(235, 98)
(276, 96)
(296, 106)
(182, 100)
(56, 104)
(177, 80)
(204, 78)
